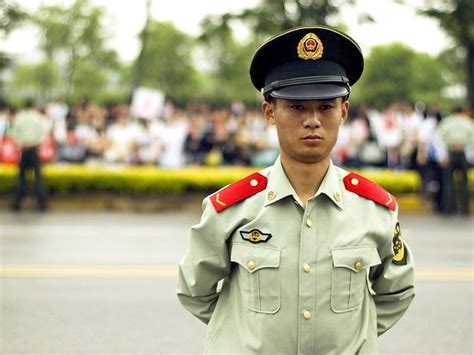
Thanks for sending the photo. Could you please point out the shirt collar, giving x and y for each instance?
(331, 186)
(279, 186)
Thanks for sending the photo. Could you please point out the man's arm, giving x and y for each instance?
(393, 282)
(205, 263)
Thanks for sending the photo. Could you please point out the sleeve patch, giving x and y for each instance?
(370, 190)
(399, 257)
(238, 191)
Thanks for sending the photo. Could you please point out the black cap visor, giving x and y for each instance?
(311, 92)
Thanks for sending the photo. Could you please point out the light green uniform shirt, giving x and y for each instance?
(29, 128)
(323, 282)
(456, 130)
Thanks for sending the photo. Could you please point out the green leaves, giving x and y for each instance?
(396, 72)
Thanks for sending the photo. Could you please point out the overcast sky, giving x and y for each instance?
(126, 18)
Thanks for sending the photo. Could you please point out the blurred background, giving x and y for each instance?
(143, 107)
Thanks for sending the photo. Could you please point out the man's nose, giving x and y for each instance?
(313, 119)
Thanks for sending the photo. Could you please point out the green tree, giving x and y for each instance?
(456, 17)
(230, 59)
(35, 80)
(397, 72)
(272, 16)
(75, 35)
(11, 16)
(167, 62)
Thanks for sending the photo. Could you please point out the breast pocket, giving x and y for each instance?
(258, 273)
(349, 275)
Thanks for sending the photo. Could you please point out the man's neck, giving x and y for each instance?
(305, 178)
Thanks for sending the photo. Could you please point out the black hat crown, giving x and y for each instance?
(312, 62)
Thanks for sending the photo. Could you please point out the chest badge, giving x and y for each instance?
(255, 236)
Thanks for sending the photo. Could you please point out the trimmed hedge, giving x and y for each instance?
(79, 178)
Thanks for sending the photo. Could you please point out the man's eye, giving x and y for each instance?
(325, 107)
(297, 107)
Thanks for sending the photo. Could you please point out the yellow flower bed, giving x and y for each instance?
(77, 178)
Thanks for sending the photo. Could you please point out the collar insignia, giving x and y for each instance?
(310, 47)
(255, 236)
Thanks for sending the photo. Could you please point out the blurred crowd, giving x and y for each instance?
(402, 136)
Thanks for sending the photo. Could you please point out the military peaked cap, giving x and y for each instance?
(304, 63)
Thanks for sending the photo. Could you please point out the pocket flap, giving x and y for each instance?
(355, 258)
(255, 258)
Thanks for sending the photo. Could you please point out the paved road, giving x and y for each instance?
(103, 283)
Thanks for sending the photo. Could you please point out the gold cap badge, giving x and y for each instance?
(310, 47)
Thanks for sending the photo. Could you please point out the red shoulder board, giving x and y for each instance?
(370, 190)
(238, 191)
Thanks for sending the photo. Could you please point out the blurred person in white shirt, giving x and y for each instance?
(174, 138)
(119, 139)
(389, 134)
(431, 153)
(409, 120)
(56, 111)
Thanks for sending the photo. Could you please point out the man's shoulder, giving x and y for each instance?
(369, 190)
(239, 190)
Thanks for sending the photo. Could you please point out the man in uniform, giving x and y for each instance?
(30, 128)
(302, 257)
(457, 133)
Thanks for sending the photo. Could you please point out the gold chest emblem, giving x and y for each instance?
(255, 236)
(310, 47)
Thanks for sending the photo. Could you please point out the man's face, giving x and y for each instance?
(307, 130)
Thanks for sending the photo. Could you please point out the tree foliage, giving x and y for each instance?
(35, 80)
(74, 37)
(397, 72)
(167, 61)
(230, 59)
(11, 15)
(456, 17)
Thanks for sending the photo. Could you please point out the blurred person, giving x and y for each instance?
(267, 149)
(119, 138)
(57, 111)
(457, 132)
(192, 145)
(6, 116)
(147, 141)
(174, 138)
(431, 152)
(30, 128)
(303, 256)
(9, 150)
(389, 134)
(409, 120)
(369, 151)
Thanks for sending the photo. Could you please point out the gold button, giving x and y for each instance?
(306, 315)
(358, 265)
(355, 181)
(309, 223)
(337, 196)
(271, 195)
(253, 182)
(251, 265)
(306, 268)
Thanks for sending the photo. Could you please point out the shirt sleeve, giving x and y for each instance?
(204, 264)
(393, 280)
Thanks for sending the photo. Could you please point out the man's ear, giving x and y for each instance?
(344, 110)
(268, 111)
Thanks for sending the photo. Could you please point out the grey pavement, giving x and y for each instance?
(104, 283)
